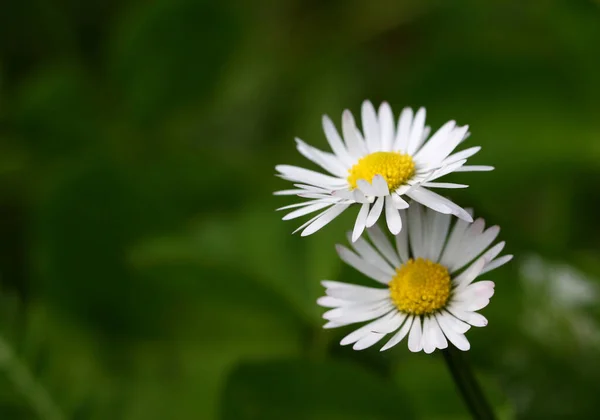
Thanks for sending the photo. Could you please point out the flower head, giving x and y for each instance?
(376, 168)
(428, 289)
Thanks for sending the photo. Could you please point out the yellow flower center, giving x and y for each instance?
(420, 287)
(396, 168)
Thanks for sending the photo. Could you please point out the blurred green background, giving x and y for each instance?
(144, 273)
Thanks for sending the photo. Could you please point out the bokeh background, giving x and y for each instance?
(144, 272)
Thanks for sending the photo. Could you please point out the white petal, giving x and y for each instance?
(345, 195)
(375, 211)
(454, 241)
(322, 197)
(476, 320)
(445, 170)
(493, 252)
(439, 338)
(454, 323)
(456, 249)
(386, 125)
(466, 277)
(417, 179)
(366, 187)
(369, 254)
(438, 203)
(440, 145)
(302, 204)
(426, 132)
(287, 192)
(336, 143)
(475, 247)
(463, 154)
(478, 304)
(359, 197)
(306, 210)
(361, 220)
(415, 230)
(402, 190)
(312, 220)
(347, 313)
(439, 230)
(331, 302)
(474, 168)
(443, 185)
(297, 174)
(456, 338)
(438, 155)
(327, 161)
(302, 188)
(399, 202)
(333, 284)
(361, 306)
(402, 240)
(427, 222)
(414, 338)
(368, 341)
(361, 265)
(371, 127)
(476, 296)
(383, 245)
(400, 334)
(363, 331)
(361, 139)
(437, 142)
(325, 217)
(392, 324)
(357, 316)
(380, 185)
(312, 188)
(484, 288)
(427, 340)
(428, 199)
(416, 132)
(392, 216)
(354, 292)
(367, 329)
(349, 306)
(355, 145)
(496, 263)
(473, 318)
(403, 132)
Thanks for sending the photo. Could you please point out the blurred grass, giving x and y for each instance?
(144, 271)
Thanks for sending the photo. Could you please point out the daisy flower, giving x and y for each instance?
(428, 289)
(376, 168)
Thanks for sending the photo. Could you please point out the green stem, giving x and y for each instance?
(467, 384)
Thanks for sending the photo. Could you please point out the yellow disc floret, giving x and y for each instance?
(396, 168)
(420, 287)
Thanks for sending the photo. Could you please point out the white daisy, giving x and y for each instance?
(378, 168)
(429, 292)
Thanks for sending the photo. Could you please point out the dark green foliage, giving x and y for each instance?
(144, 272)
